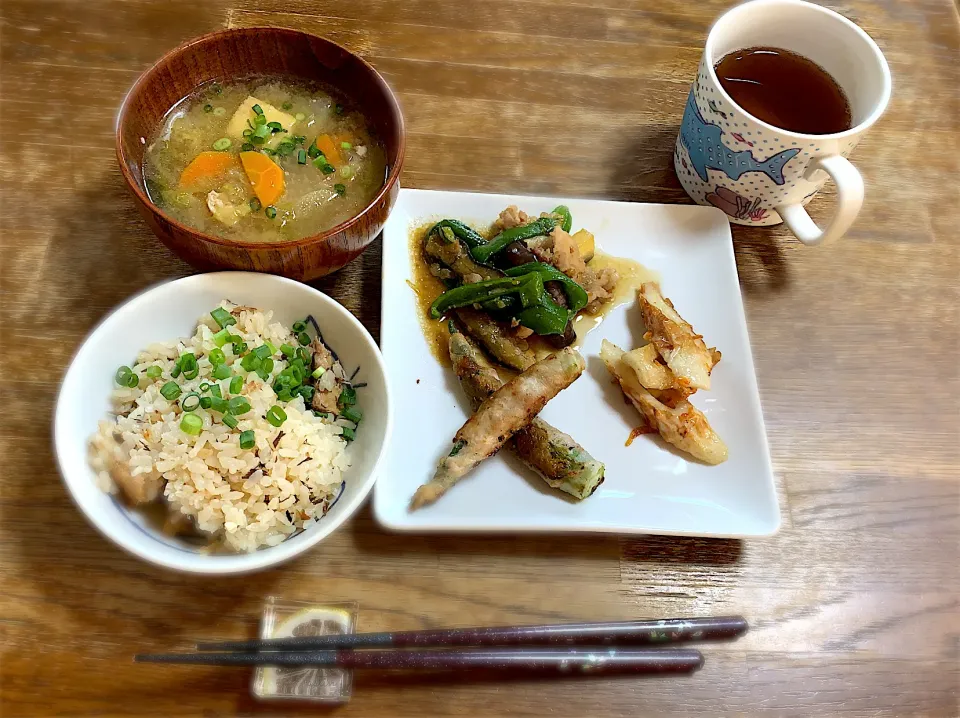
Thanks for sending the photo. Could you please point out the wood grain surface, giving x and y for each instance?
(854, 604)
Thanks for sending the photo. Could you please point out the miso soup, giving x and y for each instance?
(263, 160)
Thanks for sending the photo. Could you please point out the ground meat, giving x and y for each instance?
(440, 272)
(512, 217)
(561, 250)
(472, 278)
(523, 332)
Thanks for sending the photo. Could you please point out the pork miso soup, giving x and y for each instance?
(263, 160)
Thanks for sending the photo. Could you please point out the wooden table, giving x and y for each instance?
(854, 604)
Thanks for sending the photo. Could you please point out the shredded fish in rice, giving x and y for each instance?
(240, 499)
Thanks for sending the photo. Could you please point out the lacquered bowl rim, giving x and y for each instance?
(213, 37)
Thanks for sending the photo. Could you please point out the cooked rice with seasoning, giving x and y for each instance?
(240, 499)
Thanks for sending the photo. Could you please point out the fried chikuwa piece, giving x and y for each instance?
(682, 349)
(499, 417)
(555, 456)
(682, 425)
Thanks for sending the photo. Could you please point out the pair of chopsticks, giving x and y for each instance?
(560, 649)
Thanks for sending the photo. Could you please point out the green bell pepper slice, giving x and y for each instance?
(470, 236)
(528, 289)
(576, 295)
(538, 227)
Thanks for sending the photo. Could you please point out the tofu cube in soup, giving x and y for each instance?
(245, 113)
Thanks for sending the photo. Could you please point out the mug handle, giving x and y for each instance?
(849, 200)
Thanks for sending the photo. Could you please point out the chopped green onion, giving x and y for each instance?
(306, 391)
(328, 169)
(251, 362)
(191, 424)
(170, 390)
(322, 415)
(287, 350)
(348, 397)
(219, 111)
(266, 366)
(300, 117)
(247, 147)
(188, 363)
(302, 157)
(247, 132)
(285, 395)
(298, 327)
(340, 189)
(273, 349)
(247, 439)
(262, 351)
(275, 415)
(176, 371)
(208, 108)
(338, 108)
(318, 372)
(219, 405)
(285, 148)
(230, 421)
(222, 317)
(346, 171)
(262, 131)
(239, 346)
(353, 414)
(268, 152)
(346, 146)
(222, 144)
(190, 402)
(126, 377)
(313, 151)
(255, 205)
(206, 402)
(217, 357)
(236, 384)
(238, 405)
(271, 212)
(222, 371)
(260, 121)
(299, 139)
(257, 140)
(286, 106)
(297, 373)
(221, 337)
(303, 338)
(204, 386)
(275, 126)
(215, 391)
(257, 110)
(347, 433)
(153, 372)
(304, 356)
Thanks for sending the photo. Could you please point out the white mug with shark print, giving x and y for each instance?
(763, 175)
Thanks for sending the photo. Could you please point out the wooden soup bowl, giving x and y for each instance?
(235, 54)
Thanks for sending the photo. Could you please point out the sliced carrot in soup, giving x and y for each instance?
(206, 166)
(330, 150)
(265, 175)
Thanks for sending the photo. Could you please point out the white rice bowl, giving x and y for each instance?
(205, 476)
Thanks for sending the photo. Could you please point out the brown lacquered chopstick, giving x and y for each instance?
(670, 630)
(544, 660)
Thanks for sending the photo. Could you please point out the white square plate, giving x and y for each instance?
(649, 488)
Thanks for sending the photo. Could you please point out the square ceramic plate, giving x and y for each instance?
(649, 487)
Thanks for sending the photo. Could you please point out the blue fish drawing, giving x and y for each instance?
(707, 152)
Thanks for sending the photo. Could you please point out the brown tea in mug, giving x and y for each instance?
(785, 89)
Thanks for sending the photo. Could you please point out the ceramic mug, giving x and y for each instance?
(763, 175)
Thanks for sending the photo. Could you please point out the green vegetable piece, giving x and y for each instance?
(238, 406)
(470, 236)
(347, 433)
(217, 357)
(340, 189)
(271, 212)
(566, 219)
(230, 421)
(236, 384)
(257, 110)
(125, 376)
(528, 288)
(348, 397)
(153, 372)
(223, 318)
(255, 205)
(190, 402)
(170, 391)
(191, 424)
(222, 144)
(222, 371)
(542, 226)
(353, 414)
(247, 439)
(286, 106)
(302, 157)
(576, 295)
(276, 416)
